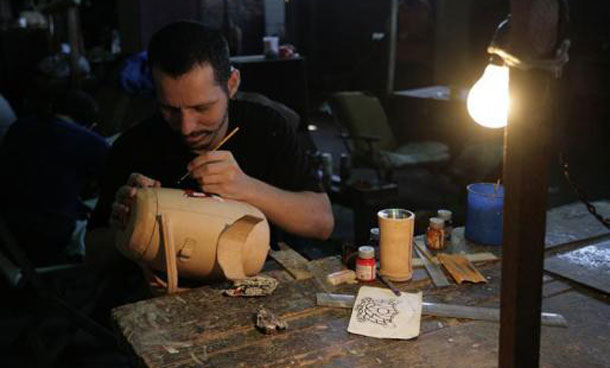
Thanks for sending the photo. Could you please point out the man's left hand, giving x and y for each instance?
(218, 173)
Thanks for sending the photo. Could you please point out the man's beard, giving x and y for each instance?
(207, 144)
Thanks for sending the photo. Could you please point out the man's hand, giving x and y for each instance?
(218, 173)
(125, 197)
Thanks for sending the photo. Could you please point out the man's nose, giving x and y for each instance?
(188, 122)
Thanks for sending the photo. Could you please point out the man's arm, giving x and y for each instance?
(303, 213)
(307, 214)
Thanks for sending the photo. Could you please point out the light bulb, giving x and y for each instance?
(488, 98)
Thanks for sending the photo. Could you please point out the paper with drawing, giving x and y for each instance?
(379, 313)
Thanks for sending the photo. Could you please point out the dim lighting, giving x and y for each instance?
(488, 100)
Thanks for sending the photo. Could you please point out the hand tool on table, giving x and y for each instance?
(435, 272)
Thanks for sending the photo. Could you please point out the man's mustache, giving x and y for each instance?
(198, 133)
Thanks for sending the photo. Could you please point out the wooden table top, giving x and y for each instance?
(202, 328)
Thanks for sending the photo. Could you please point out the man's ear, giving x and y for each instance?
(233, 82)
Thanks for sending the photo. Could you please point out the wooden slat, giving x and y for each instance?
(293, 262)
(475, 257)
(460, 268)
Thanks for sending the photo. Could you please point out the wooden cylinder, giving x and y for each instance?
(396, 243)
(198, 224)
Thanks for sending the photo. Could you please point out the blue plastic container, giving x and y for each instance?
(484, 213)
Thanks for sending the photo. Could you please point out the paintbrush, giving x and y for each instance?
(387, 283)
(226, 138)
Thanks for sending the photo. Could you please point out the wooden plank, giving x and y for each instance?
(293, 262)
(460, 268)
(526, 161)
(475, 257)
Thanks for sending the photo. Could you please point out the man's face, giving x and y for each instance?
(194, 105)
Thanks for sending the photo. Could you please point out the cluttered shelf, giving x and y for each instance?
(202, 327)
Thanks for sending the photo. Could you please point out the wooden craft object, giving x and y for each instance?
(196, 237)
(460, 268)
(229, 251)
(293, 262)
(396, 243)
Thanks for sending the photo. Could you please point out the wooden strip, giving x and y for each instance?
(293, 262)
(474, 257)
(460, 268)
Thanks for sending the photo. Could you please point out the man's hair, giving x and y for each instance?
(180, 46)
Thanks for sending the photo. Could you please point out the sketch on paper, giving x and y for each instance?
(378, 311)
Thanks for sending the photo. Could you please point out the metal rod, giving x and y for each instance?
(442, 310)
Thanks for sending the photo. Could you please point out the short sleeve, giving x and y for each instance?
(291, 169)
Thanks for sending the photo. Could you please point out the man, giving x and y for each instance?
(58, 149)
(262, 164)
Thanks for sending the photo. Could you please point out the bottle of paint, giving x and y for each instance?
(366, 266)
(435, 235)
(447, 216)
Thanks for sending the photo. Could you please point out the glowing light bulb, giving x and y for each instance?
(488, 98)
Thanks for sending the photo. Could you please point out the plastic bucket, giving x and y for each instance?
(484, 213)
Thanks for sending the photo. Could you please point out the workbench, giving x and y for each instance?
(202, 328)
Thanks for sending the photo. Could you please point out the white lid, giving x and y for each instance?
(437, 222)
(444, 214)
(374, 233)
(366, 252)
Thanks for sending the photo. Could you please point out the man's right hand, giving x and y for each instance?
(121, 207)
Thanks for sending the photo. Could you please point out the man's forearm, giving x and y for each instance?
(307, 214)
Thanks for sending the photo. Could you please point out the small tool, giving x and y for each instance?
(214, 149)
(387, 283)
(435, 272)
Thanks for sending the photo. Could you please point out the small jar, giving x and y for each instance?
(446, 215)
(366, 266)
(374, 237)
(435, 235)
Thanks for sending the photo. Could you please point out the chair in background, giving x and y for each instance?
(371, 140)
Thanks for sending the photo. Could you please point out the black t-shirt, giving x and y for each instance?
(265, 147)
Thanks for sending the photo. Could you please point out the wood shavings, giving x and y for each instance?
(252, 287)
(268, 322)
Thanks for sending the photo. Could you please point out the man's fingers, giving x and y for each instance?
(213, 168)
(119, 215)
(208, 158)
(142, 181)
(125, 194)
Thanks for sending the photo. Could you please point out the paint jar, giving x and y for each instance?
(435, 234)
(446, 215)
(366, 266)
(484, 213)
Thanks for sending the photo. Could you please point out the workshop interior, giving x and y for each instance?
(423, 183)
